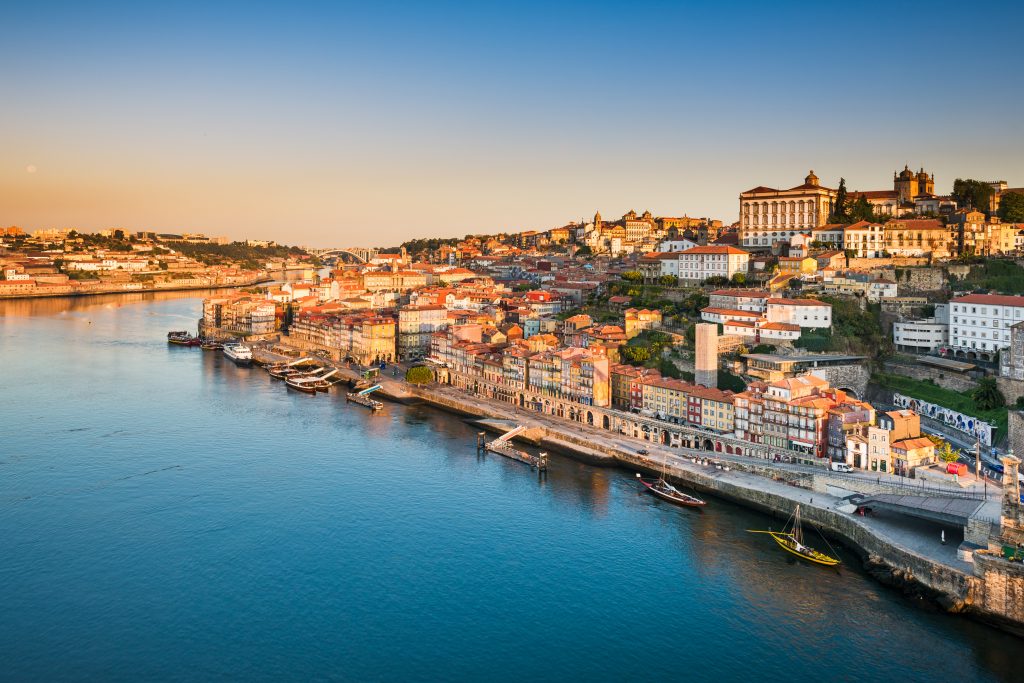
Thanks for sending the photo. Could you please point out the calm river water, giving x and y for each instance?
(165, 515)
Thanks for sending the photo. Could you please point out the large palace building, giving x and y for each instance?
(768, 215)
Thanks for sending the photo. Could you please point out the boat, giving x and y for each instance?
(303, 384)
(239, 353)
(312, 382)
(792, 542)
(210, 344)
(182, 338)
(666, 491)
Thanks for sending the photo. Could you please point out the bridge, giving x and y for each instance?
(358, 254)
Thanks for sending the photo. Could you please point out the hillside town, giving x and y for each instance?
(875, 330)
(65, 262)
(850, 346)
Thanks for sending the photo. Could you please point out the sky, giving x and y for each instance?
(330, 124)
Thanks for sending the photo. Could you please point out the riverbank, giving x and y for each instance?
(132, 288)
(897, 552)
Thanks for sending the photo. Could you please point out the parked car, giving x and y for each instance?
(841, 467)
(643, 451)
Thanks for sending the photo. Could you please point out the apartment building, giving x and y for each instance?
(416, 324)
(979, 324)
(700, 263)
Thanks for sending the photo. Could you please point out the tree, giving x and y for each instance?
(987, 396)
(943, 450)
(974, 194)
(633, 275)
(739, 279)
(1011, 207)
(862, 210)
(584, 250)
(839, 206)
(668, 280)
(420, 374)
(669, 369)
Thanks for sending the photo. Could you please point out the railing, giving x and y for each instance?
(912, 489)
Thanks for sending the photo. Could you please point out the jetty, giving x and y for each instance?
(503, 446)
(363, 398)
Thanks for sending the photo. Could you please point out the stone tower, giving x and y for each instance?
(705, 363)
(1011, 522)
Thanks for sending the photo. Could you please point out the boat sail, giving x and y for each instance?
(792, 541)
(666, 491)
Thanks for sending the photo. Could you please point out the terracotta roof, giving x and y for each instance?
(990, 299)
(747, 293)
(913, 444)
(715, 249)
(874, 194)
(730, 311)
(798, 302)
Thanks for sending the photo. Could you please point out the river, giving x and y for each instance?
(166, 516)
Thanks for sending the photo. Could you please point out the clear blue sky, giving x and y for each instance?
(367, 124)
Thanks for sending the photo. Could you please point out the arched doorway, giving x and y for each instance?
(590, 418)
(606, 423)
(664, 437)
(708, 445)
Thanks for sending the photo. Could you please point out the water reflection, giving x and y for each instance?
(217, 520)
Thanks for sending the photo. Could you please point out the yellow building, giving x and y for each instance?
(797, 265)
(639, 320)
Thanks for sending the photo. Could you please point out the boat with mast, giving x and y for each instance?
(666, 491)
(792, 541)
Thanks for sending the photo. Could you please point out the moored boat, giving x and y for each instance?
(210, 344)
(666, 491)
(182, 338)
(239, 353)
(792, 541)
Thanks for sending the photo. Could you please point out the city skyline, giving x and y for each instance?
(356, 125)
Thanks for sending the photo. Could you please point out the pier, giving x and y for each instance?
(503, 446)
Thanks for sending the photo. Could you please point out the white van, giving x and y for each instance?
(841, 467)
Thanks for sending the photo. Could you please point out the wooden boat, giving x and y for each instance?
(182, 338)
(792, 542)
(666, 491)
(297, 383)
(210, 345)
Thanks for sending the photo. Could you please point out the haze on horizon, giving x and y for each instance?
(335, 125)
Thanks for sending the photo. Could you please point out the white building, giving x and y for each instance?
(979, 324)
(769, 215)
(676, 245)
(920, 336)
(802, 312)
(865, 240)
(739, 299)
(700, 263)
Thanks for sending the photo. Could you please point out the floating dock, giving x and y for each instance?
(363, 398)
(503, 446)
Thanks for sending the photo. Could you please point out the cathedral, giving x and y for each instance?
(908, 185)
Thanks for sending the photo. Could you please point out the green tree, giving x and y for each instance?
(974, 194)
(420, 374)
(635, 355)
(943, 450)
(633, 276)
(987, 396)
(1011, 207)
(862, 210)
(739, 279)
(669, 369)
(839, 206)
